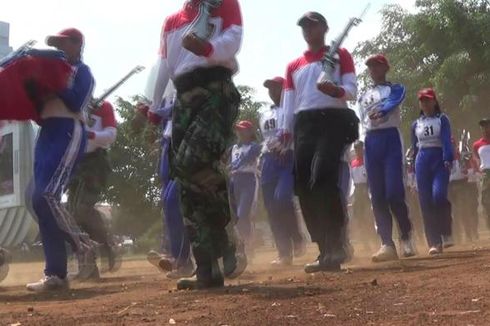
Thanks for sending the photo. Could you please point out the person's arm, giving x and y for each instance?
(226, 46)
(476, 156)
(77, 96)
(288, 104)
(348, 79)
(107, 136)
(447, 146)
(414, 140)
(397, 95)
(163, 75)
(247, 158)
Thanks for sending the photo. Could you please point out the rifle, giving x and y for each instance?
(95, 104)
(330, 59)
(23, 48)
(464, 147)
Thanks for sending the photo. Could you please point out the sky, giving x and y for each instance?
(121, 34)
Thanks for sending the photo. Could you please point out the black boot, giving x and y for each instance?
(319, 266)
(234, 261)
(208, 275)
(323, 263)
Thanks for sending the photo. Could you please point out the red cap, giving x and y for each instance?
(274, 81)
(377, 58)
(69, 33)
(244, 124)
(427, 93)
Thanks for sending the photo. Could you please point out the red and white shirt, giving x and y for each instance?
(102, 129)
(481, 149)
(358, 171)
(223, 44)
(300, 88)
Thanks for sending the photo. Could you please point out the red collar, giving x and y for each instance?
(318, 55)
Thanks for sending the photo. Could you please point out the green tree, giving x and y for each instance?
(249, 108)
(444, 44)
(134, 184)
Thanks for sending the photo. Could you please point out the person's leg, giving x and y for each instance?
(179, 242)
(485, 196)
(85, 189)
(425, 179)
(304, 149)
(471, 198)
(277, 221)
(375, 167)
(395, 187)
(327, 195)
(441, 203)
(284, 197)
(245, 186)
(202, 131)
(60, 145)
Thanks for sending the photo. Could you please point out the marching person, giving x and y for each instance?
(243, 181)
(202, 129)
(380, 115)
(86, 186)
(59, 148)
(461, 191)
(277, 182)
(362, 221)
(317, 115)
(481, 151)
(179, 264)
(431, 141)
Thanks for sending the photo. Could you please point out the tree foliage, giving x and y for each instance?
(444, 44)
(134, 185)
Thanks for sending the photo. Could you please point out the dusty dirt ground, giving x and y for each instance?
(453, 289)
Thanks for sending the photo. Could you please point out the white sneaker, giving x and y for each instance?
(437, 250)
(49, 283)
(448, 241)
(408, 249)
(385, 253)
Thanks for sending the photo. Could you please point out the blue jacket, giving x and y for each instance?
(79, 93)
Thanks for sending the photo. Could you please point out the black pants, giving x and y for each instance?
(320, 138)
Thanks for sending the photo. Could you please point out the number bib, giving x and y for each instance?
(428, 132)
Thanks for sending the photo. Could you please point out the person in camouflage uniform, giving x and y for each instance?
(201, 62)
(86, 186)
(203, 130)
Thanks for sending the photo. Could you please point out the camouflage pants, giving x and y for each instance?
(202, 131)
(84, 190)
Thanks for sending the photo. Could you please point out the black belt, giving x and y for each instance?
(201, 77)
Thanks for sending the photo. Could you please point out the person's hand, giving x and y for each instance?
(329, 88)
(375, 115)
(195, 45)
(448, 165)
(90, 134)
